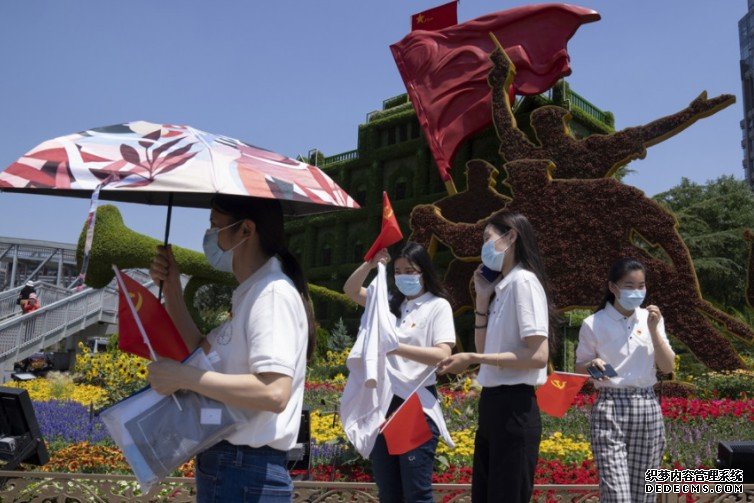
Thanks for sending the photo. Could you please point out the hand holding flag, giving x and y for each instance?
(130, 319)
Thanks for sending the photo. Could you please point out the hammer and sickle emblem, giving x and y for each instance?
(559, 384)
(138, 298)
(387, 213)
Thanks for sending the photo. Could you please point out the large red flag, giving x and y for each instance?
(556, 395)
(436, 18)
(445, 71)
(163, 336)
(407, 428)
(390, 233)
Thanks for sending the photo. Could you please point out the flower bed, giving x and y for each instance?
(78, 441)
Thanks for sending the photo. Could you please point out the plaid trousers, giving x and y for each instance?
(628, 438)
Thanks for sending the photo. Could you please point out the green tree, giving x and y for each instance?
(712, 218)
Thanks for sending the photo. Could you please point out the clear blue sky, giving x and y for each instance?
(293, 75)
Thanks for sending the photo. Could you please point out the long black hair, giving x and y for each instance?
(617, 271)
(418, 256)
(267, 215)
(527, 254)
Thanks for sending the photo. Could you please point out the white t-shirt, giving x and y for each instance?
(518, 311)
(268, 333)
(623, 342)
(425, 321)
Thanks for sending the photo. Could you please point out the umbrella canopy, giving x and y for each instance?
(143, 162)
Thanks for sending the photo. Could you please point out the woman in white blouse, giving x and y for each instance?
(627, 429)
(513, 325)
(427, 336)
(261, 351)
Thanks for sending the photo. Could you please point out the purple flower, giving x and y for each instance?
(69, 421)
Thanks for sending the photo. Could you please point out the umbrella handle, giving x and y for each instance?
(167, 233)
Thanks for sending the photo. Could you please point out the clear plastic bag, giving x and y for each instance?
(157, 438)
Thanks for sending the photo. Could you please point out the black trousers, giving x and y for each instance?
(506, 445)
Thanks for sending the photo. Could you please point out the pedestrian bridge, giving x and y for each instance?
(64, 312)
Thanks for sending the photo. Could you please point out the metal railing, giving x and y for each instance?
(80, 487)
(582, 103)
(345, 156)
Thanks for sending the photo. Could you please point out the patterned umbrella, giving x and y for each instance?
(167, 164)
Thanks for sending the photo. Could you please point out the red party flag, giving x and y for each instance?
(436, 18)
(163, 336)
(556, 395)
(445, 71)
(390, 233)
(407, 428)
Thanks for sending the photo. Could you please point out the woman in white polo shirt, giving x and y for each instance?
(427, 336)
(627, 430)
(262, 350)
(512, 331)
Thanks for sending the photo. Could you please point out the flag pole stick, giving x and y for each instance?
(127, 296)
(571, 374)
(429, 374)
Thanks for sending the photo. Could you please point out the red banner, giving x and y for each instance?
(445, 71)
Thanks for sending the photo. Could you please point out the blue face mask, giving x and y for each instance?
(631, 299)
(220, 259)
(492, 258)
(408, 284)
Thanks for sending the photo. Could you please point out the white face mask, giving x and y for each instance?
(491, 258)
(220, 259)
(631, 299)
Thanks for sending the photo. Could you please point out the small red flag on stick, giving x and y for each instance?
(390, 233)
(556, 395)
(407, 428)
(155, 321)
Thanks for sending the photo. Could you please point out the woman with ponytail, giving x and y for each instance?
(426, 336)
(261, 352)
(514, 330)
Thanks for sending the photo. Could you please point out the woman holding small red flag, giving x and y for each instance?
(426, 336)
(512, 328)
(261, 352)
(628, 341)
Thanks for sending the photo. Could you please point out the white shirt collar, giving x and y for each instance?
(421, 299)
(509, 277)
(271, 266)
(616, 315)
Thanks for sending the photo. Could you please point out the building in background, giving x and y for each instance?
(746, 42)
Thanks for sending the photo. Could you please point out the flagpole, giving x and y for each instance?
(395, 413)
(127, 296)
(571, 374)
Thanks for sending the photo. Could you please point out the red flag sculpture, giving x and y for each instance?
(436, 18)
(556, 395)
(390, 233)
(445, 71)
(163, 336)
(407, 428)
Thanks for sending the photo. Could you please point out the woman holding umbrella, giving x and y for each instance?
(262, 350)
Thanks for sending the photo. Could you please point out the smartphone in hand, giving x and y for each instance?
(489, 274)
(596, 373)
